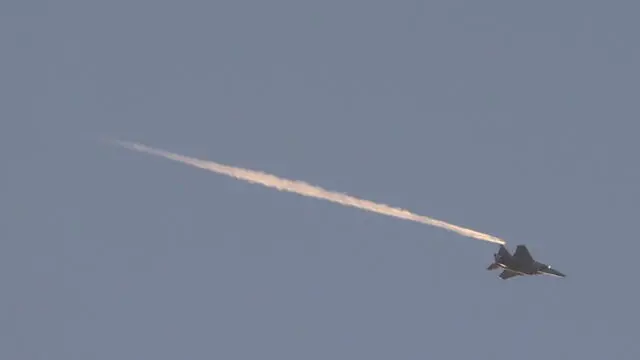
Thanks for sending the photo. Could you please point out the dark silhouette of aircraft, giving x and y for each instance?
(520, 263)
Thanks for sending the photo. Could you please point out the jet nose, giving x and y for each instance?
(555, 272)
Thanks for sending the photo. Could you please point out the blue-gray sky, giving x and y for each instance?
(519, 119)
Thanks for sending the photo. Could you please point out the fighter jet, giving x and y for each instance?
(520, 263)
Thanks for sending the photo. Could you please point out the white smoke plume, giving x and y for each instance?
(304, 189)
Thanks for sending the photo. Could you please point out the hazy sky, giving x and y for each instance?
(519, 119)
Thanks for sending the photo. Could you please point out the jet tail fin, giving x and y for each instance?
(503, 252)
(493, 266)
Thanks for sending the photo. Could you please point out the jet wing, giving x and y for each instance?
(507, 274)
(522, 254)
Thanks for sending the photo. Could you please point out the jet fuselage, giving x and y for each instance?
(520, 263)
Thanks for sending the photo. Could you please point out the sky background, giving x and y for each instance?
(519, 119)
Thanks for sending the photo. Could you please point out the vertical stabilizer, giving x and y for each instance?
(503, 253)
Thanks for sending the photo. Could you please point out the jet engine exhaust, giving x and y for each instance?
(305, 189)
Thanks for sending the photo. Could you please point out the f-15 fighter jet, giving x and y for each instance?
(520, 263)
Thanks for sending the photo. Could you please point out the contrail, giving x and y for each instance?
(305, 189)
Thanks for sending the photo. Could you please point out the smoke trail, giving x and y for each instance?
(305, 189)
